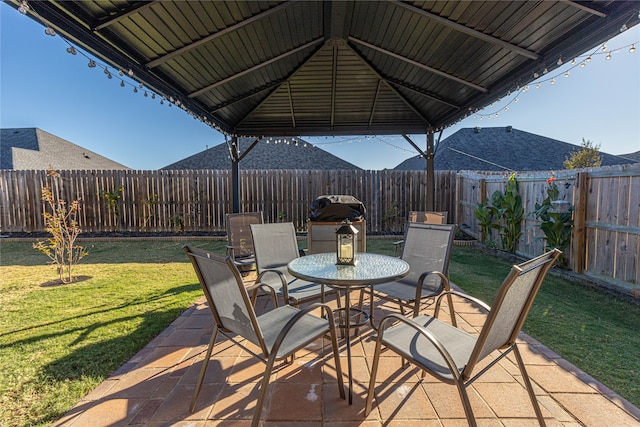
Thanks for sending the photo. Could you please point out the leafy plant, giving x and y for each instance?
(177, 221)
(149, 205)
(505, 214)
(484, 214)
(391, 219)
(113, 201)
(556, 226)
(61, 220)
(509, 209)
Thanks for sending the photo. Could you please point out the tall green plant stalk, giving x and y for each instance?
(62, 222)
(510, 212)
(510, 207)
(484, 214)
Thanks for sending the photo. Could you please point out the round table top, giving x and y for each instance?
(370, 269)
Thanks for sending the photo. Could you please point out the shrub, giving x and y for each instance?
(61, 221)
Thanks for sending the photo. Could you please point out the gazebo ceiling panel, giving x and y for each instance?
(329, 67)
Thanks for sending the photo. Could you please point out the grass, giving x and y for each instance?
(59, 342)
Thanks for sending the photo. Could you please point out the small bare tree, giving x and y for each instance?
(61, 220)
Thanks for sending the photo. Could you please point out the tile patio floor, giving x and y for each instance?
(155, 387)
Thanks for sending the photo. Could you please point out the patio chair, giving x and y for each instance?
(240, 242)
(278, 333)
(276, 245)
(452, 355)
(427, 249)
(425, 217)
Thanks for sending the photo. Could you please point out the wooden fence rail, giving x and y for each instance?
(197, 200)
(605, 240)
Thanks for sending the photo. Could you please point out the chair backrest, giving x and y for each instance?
(427, 247)
(226, 294)
(275, 245)
(511, 307)
(239, 232)
(428, 217)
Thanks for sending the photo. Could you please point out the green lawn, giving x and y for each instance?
(59, 342)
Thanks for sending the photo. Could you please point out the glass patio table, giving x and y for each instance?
(370, 269)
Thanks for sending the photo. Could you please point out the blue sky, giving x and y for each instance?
(43, 86)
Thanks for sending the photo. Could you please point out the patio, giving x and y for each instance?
(155, 387)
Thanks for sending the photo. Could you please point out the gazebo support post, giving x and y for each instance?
(430, 172)
(234, 151)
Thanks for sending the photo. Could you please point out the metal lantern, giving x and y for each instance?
(347, 242)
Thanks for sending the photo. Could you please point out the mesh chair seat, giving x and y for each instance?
(305, 331)
(419, 350)
(405, 290)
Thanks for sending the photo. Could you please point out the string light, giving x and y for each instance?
(24, 8)
(580, 61)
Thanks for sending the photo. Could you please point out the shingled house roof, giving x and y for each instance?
(270, 153)
(35, 149)
(502, 148)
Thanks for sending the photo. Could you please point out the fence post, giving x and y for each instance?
(578, 237)
(482, 190)
(458, 200)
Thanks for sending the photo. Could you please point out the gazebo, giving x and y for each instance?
(305, 68)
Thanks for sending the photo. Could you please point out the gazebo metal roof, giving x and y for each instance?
(300, 68)
(334, 67)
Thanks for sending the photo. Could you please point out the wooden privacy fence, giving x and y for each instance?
(606, 233)
(605, 242)
(197, 200)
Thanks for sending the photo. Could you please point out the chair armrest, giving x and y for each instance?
(422, 331)
(283, 281)
(444, 282)
(231, 250)
(462, 295)
(263, 286)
